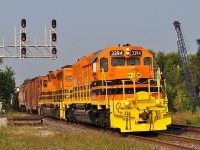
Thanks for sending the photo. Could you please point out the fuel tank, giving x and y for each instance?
(87, 116)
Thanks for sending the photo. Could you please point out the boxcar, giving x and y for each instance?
(32, 89)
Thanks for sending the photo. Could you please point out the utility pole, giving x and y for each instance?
(21, 46)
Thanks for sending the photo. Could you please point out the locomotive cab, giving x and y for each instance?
(132, 84)
(118, 64)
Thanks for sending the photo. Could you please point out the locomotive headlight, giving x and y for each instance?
(127, 51)
(127, 104)
(158, 102)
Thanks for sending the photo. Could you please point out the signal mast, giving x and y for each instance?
(22, 46)
(184, 59)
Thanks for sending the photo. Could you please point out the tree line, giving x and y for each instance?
(7, 84)
(179, 97)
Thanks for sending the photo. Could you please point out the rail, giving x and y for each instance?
(193, 129)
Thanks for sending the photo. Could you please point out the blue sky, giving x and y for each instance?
(85, 26)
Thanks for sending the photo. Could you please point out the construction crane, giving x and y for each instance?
(184, 59)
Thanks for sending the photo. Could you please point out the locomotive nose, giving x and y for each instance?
(120, 72)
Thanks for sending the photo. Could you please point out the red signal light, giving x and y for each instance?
(54, 51)
(23, 36)
(53, 37)
(23, 50)
(53, 23)
(23, 23)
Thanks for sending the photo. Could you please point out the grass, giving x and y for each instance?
(11, 113)
(45, 137)
(187, 118)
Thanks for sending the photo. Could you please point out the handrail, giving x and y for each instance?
(102, 81)
(103, 77)
(158, 81)
(123, 86)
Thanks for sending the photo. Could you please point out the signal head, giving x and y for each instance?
(23, 23)
(54, 51)
(53, 37)
(23, 50)
(23, 36)
(53, 23)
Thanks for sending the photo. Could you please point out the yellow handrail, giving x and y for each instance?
(103, 77)
(158, 81)
(123, 83)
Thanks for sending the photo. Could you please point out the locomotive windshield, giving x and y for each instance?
(118, 61)
(133, 61)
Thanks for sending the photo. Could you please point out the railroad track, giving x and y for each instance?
(161, 140)
(25, 120)
(169, 145)
(193, 129)
(193, 143)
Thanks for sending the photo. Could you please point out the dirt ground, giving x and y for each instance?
(3, 122)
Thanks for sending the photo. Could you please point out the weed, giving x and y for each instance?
(45, 137)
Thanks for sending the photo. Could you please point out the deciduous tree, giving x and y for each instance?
(7, 83)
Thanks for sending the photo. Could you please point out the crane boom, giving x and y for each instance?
(184, 59)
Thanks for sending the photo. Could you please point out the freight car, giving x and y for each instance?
(117, 87)
(32, 90)
(28, 95)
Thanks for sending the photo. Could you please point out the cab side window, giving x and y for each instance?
(59, 75)
(104, 64)
(148, 61)
(45, 82)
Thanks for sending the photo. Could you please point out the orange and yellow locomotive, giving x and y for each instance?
(117, 87)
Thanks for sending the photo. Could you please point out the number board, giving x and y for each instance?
(117, 53)
(68, 78)
(136, 53)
